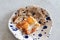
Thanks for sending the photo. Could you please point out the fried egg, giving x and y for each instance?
(28, 25)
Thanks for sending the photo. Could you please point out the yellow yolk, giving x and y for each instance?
(30, 20)
(25, 25)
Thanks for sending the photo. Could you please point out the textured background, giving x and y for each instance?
(7, 7)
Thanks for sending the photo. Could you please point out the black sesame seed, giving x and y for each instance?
(46, 21)
(41, 30)
(24, 12)
(23, 18)
(40, 22)
(46, 15)
(39, 35)
(26, 36)
(44, 27)
(48, 18)
(15, 13)
(45, 33)
(33, 34)
(33, 13)
(26, 7)
(42, 11)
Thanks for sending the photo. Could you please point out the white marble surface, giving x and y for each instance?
(7, 7)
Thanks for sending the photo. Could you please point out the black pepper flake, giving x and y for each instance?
(46, 15)
(41, 30)
(25, 7)
(44, 27)
(44, 22)
(40, 22)
(15, 13)
(23, 18)
(42, 11)
(45, 33)
(33, 13)
(24, 12)
(33, 34)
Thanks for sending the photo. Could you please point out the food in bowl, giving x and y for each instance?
(32, 21)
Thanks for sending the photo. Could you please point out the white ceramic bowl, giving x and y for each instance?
(42, 35)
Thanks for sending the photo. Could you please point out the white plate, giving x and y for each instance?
(42, 35)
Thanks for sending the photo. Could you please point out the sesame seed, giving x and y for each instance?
(41, 30)
(33, 13)
(40, 22)
(33, 34)
(45, 33)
